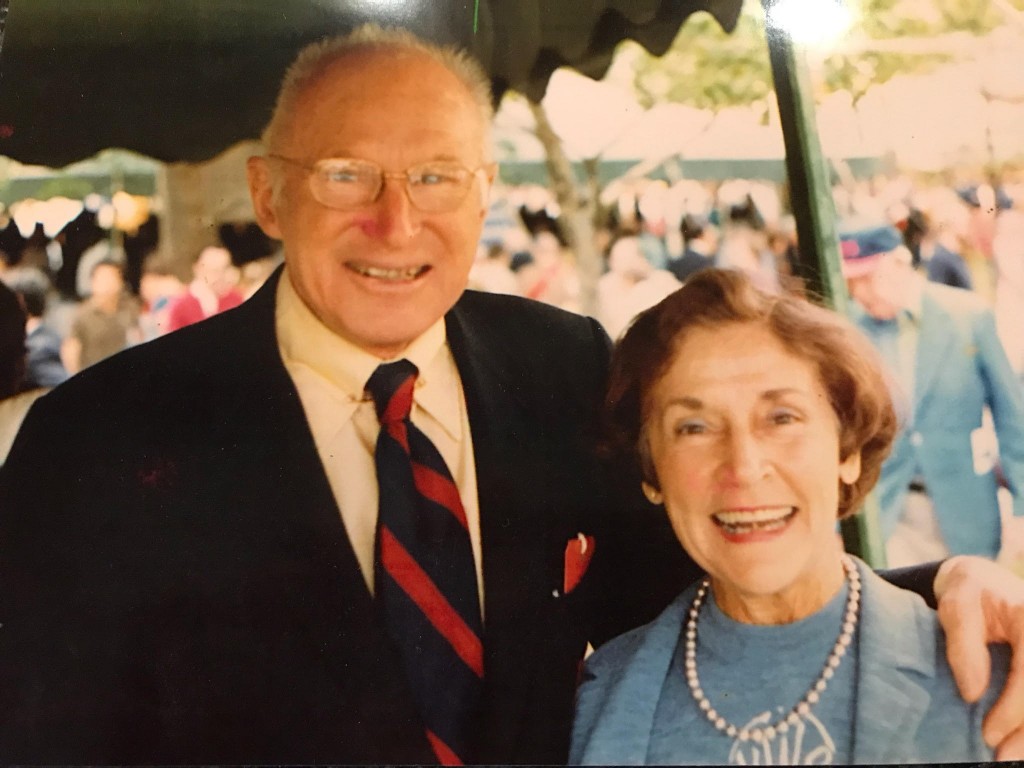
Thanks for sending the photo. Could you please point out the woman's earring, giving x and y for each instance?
(653, 494)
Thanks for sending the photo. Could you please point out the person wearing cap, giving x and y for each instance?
(938, 489)
(984, 203)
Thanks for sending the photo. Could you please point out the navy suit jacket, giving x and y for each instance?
(176, 584)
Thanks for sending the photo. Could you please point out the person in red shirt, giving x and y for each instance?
(211, 291)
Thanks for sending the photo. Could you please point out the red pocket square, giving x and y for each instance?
(577, 559)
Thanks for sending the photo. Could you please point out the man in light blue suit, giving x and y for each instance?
(938, 489)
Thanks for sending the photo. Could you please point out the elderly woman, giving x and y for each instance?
(758, 421)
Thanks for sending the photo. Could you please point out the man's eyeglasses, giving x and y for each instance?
(344, 183)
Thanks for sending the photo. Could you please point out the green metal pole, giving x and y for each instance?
(809, 179)
(810, 192)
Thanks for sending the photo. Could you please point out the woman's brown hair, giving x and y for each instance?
(850, 369)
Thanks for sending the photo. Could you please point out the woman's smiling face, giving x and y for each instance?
(745, 447)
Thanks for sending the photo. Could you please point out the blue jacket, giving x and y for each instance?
(960, 368)
(948, 268)
(907, 707)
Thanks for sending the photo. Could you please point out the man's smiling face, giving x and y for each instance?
(380, 274)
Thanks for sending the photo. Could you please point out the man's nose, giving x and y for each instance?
(859, 292)
(396, 218)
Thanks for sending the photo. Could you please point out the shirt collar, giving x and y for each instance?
(306, 341)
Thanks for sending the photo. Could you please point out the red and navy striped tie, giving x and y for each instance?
(424, 575)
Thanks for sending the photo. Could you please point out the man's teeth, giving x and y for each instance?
(747, 521)
(381, 273)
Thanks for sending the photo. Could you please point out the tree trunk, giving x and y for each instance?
(578, 211)
(186, 226)
(197, 198)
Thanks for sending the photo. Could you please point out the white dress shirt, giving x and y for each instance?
(330, 374)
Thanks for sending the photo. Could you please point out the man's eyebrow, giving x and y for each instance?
(444, 157)
(344, 154)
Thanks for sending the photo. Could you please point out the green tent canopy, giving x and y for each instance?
(182, 80)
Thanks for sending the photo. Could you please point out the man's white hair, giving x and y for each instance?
(316, 57)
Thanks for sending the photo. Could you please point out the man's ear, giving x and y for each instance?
(261, 190)
(653, 494)
(490, 174)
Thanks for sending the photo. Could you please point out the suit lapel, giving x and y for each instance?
(893, 661)
(291, 479)
(513, 537)
(290, 456)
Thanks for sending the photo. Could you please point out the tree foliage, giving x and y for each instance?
(707, 68)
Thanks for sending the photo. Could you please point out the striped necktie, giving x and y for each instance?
(424, 574)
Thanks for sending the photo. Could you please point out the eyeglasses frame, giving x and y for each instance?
(384, 176)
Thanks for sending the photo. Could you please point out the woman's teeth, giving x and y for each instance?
(748, 521)
(409, 273)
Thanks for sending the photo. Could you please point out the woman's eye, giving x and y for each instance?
(783, 417)
(690, 428)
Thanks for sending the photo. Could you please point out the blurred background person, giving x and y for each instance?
(254, 273)
(159, 287)
(14, 400)
(12, 343)
(939, 487)
(651, 220)
(744, 246)
(1008, 253)
(984, 203)
(700, 243)
(782, 244)
(105, 323)
(104, 250)
(44, 367)
(213, 289)
(550, 276)
(630, 285)
(933, 252)
(492, 270)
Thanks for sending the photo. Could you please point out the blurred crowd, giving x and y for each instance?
(88, 296)
(90, 292)
(653, 236)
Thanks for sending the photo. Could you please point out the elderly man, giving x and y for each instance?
(939, 487)
(377, 536)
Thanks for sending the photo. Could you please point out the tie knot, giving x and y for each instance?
(391, 387)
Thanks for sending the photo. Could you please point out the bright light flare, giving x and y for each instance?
(812, 22)
(54, 214)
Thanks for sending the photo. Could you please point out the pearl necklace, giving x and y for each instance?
(803, 708)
